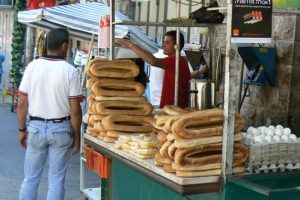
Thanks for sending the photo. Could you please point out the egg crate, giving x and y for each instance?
(273, 154)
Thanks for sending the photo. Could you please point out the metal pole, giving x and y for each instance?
(165, 15)
(229, 105)
(89, 56)
(157, 16)
(177, 57)
(112, 30)
(241, 87)
(29, 46)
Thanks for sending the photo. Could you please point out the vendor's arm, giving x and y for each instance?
(22, 113)
(146, 56)
(201, 70)
(76, 117)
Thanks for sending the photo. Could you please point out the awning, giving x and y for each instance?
(82, 20)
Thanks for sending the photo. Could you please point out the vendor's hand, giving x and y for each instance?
(22, 139)
(123, 42)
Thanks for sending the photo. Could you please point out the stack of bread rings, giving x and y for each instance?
(116, 104)
(191, 142)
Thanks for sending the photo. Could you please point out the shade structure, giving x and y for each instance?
(82, 20)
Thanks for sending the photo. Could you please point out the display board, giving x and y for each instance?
(251, 21)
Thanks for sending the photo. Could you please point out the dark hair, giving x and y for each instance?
(173, 35)
(56, 37)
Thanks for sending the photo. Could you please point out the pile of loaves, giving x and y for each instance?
(191, 142)
(116, 105)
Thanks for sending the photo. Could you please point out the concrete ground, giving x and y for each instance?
(12, 160)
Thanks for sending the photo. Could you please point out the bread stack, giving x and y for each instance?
(116, 104)
(140, 145)
(191, 142)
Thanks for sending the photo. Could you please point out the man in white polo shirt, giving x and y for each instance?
(50, 94)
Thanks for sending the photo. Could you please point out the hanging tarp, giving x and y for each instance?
(82, 20)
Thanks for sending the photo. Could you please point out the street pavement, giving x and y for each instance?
(12, 160)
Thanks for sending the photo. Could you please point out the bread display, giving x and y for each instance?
(116, 104)
(191, 142)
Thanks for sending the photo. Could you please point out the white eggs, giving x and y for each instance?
(258, 140)
(268, 139)
(279, 127)
(249, 130)
(285, 138)
(269, 132)
(287, 131)
(271, 127)
(276, 139)
(278, 132)
(292, 138)
(255, 132)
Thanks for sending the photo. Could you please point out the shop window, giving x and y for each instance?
(6, 3)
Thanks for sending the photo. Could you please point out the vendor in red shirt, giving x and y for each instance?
(168, 64)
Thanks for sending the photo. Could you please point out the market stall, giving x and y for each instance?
(119, 142)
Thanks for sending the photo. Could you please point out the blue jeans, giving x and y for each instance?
(52, 140)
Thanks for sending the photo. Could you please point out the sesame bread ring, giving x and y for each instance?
(113, 68)
(174, 110)
(124, 108)
(102, 98)
(203, 125)
(127, 123)
(118, 88)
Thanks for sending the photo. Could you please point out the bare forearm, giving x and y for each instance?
(76, 118)
(22, 112)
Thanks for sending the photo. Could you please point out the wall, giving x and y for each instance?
(6, 30)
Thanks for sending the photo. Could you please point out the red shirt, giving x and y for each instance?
(168, 90)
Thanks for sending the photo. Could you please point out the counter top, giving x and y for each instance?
(185, 186)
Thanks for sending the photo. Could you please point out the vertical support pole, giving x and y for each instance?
(29, 45)
(229, 105)
(165, 15)
(157, 16)
(112, 30)
(177, 57)
(148, 17)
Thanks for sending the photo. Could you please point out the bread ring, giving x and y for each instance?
(90, 82)
(187, 143)
(102, 98)
(118, 88)
(174, 110)
(127, 123)
(205, 125)
(100, 137)
(213, 172)
(162, 136)
(164, 149)
(160, 113)
(171, 150)
(98, 125)
(209, 154)
(168, 168)
(113, 68)
(160, 161)
(124, 108)
(109, 139)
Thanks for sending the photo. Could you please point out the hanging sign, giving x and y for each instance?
(251, 21)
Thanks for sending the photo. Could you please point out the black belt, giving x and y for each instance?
(57, 120)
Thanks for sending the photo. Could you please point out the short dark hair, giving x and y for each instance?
(56, 37)
(173, 35)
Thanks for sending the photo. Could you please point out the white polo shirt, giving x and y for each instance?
(49, 82)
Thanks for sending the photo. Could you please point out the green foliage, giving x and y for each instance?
(18, 44)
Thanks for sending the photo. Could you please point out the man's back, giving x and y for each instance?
(47, 82)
